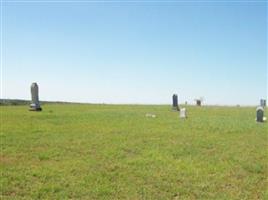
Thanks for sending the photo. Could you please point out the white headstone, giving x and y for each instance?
(183, 113)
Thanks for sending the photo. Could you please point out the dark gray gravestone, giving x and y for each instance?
(259, 114)
(35, 105)
(198, 102)
(175, 102)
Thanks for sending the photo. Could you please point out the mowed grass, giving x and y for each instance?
(77, 151)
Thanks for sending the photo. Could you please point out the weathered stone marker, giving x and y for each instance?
(259, 114)
(35, 105)
(183, 113)
(198, 102)
(263, 103)
(175, 102)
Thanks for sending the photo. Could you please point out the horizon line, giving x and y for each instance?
(133, 103)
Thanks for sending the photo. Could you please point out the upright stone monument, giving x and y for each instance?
(263, 103)
(259, 114)
(175, 105)
(35, 105)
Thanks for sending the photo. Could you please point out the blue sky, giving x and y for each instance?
(143, 52)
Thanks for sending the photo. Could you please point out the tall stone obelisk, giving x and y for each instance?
(35, 105)
(175, 105)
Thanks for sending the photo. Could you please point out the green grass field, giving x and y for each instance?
(114, 152)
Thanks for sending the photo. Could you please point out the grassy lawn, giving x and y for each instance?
(114, 152)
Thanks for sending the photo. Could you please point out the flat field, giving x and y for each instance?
(79, 151)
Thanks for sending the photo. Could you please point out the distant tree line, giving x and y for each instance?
(13, 102)
(17, 102)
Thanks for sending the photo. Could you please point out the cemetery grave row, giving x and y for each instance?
(35, 105)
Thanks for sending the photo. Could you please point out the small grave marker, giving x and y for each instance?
(183, 113)
(198, 102)
(259, 114)
(263, 103)
(150, 115)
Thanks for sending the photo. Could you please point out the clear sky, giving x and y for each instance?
(136, 52)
